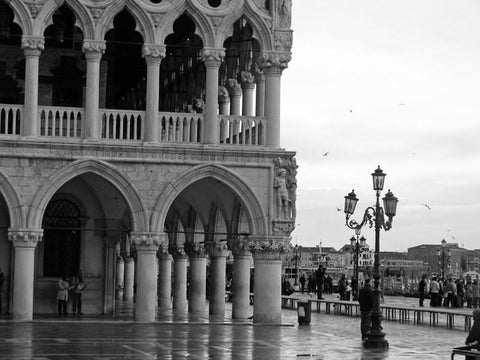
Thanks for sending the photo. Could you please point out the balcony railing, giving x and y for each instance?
(129, 125)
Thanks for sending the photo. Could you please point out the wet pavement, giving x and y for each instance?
(184, 336)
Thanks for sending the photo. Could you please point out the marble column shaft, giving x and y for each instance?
(32, 48)
(179, 279)
(129, 279)
(218, 252)
(212, 59)
(164, 279)
(240, 278)
(146, 246)
(24, 242)
(93, 54)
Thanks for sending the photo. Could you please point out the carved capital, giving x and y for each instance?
(177, 251)
(153, 52)
(33, 45)
(212, 57)
(240, 247)
(94, 48)
(217, 248)
(195, 249)
(246, 80)
(283, 227)
(282, 40)
(273, 62)
(268, 247)
(233, 87)
(27, 238)
(163, 254)
(258, 73)
(147, 241)
(223, 96)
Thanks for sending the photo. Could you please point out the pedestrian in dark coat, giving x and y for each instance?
(422, 289)
(320, 279)
(473, 338)
(303, 280)
(366, 300)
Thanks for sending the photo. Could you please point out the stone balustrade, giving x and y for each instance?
(117, 124)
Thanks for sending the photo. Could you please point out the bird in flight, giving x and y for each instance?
(325, 154)
(350, 111)
(338, 209)
(427, 206)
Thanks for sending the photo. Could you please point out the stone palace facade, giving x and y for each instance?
(140, 145)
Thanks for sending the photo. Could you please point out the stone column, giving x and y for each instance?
(24, 242)
(267, 253)
(110, 243)
(273, 64)
(212, 59)
(260, 94)
(146, 246)
(164, 277)
(179, 278)
(93, 54)
(153, 55)
(241, 278)
(120, 278)
(223, 101)
(128, 291)
(235, 92)
(247, 82)
(32, 48)
(198, 275)
(218, 252)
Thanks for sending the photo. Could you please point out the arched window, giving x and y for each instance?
(61, 225)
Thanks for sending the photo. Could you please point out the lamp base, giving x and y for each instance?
(375, 341)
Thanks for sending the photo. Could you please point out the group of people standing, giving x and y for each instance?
(76, 286)
(450, 293)
(319, 282)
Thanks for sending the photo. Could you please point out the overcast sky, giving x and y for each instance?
(394, 83)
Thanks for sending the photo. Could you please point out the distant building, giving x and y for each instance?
(453, 263)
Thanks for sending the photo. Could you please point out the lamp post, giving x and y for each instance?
(374, 216)
(443, 257)
(356, 245)
(296, 265)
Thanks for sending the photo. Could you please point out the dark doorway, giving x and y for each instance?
(62, 236)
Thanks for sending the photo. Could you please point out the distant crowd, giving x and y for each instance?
(449, 292)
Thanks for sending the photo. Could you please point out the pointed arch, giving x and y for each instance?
(202, 25)
(14, 202)
(256, 216)
(45, 17)
(21, 17)
(98, 167)
(83, 19)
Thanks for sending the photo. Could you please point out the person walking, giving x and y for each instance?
(366, 300)
(435, 297)
(342, 287)
(303, 280)
(78, 286)
(422, 289)
(320, 280)
(469, 293)
(62, 295)
(476, 293)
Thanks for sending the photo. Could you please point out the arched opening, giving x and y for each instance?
(182, 72)
(62, 64)
(85, 222)
(125, 68)
(12, 72)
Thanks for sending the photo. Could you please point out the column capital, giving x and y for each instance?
(177, 251)
(147, 241)
(163, 253)
(212, 57)
(268, 247)
(94, 49)
(274, 62)
(217, 248)
(240, 247)
(25, 237)
(258, 73)
(246, 80)
(223, 96)
(195, 249)
(233, 87)
(32, 45)
(153, 52)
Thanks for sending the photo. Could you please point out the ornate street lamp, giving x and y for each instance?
(374, 216)
(443, 257)
(356, 245)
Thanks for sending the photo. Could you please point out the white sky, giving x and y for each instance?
(409, 71)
